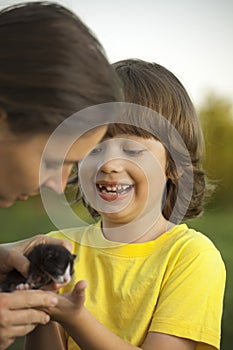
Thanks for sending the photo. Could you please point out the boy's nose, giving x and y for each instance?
(113, 165)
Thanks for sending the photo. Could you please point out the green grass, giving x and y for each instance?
(218, 226)
(29, 218)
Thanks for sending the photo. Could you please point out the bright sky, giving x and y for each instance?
(194, 39)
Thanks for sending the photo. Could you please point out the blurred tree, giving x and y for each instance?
(216, 114)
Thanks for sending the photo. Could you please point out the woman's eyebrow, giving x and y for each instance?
(70, 161)
(62, 161)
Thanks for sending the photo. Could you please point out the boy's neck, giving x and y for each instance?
(141, 230)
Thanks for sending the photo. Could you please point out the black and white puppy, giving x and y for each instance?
(49, 263)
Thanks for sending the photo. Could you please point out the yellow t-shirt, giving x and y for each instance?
(173, 285)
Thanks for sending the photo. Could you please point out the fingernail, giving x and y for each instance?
(54, 301)
(46, 319)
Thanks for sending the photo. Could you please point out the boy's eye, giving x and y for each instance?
(133, 152)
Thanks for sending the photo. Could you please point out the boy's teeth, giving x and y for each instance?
(114, 188)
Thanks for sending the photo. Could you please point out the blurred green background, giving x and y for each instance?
(216, 114)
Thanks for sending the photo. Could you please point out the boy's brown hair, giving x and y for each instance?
(153, 86)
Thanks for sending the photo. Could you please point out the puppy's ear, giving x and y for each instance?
(73, 256)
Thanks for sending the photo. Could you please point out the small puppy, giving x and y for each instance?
(48, 263)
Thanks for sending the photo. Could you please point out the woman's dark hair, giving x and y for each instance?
(51, 66)
(153, 86)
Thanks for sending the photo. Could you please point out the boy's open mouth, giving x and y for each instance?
(111, 192)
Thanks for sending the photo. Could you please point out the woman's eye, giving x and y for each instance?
(52, 165)
(133, 152)
(95, 151)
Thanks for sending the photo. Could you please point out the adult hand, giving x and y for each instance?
(19, 314)
(12, 255)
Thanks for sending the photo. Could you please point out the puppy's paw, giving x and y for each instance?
(23, 286)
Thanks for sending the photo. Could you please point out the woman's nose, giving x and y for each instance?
(56, 184)
(58, 180)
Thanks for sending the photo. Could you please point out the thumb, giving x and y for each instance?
(79, 290)
(16, 260)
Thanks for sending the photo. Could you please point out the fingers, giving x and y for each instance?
(18, 316)
(69, 303)
(12, 255)
(16, 260)
(20, 331)
(5, 342)
(42, 239)
(65, 244)
(27, 299)
(24, 317)
(10, 258)
(9, 332)
(79, 289)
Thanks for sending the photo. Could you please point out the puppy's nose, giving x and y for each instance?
(66, 279)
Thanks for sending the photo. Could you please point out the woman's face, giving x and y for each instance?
(20, 159)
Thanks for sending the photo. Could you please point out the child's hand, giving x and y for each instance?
(69, 304)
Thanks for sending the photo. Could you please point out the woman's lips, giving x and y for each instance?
(8, 202)
(22, 197)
